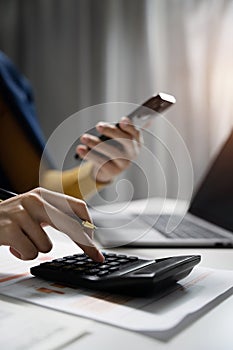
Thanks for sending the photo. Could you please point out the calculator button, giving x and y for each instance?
(103, 267)
(70, 261)
(54, 265)
(79, 255)
(59, 260)
(110, 259)
(123, 261)
(79, 269)
(132, 258)
(80, 263)
(89, 265)
(110, 255)
(80, 258)
(102, 273)
(98, 264)
(114, 263)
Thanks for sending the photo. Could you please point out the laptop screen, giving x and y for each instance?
(214, 199)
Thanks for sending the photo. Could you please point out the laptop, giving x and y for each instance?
(207, 223)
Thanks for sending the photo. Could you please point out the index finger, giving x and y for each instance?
(43, 211)
(65, 203)
(127, 126)
(72, 206)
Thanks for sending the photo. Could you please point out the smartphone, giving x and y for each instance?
(155, 105)
(152, 107)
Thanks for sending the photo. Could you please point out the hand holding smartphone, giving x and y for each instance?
(154, 106)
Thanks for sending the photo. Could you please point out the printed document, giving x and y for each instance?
(159, 315)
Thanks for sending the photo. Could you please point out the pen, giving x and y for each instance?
(4, 194)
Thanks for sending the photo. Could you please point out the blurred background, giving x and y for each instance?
(80, 53)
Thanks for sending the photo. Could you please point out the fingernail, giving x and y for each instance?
(100, 125)
(85, 137)
(125, 119)
(80, 151)
(124, 122)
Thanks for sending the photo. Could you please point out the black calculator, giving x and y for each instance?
(118, 273)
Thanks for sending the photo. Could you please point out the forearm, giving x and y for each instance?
(76, 182)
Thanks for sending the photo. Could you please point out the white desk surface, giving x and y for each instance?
(210, 332)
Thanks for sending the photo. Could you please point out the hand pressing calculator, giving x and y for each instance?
(118, 273)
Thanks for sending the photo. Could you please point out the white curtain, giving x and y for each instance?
(79, 53)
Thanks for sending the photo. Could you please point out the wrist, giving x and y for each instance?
(100, 177)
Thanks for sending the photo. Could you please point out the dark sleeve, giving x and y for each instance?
(17, 97)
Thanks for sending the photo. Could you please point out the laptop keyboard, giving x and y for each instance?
(185, 229)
